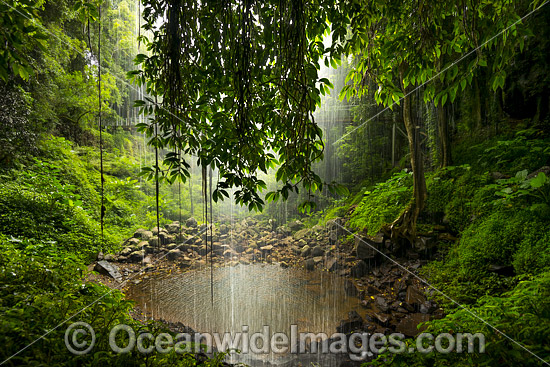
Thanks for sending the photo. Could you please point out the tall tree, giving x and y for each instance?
(403, 45)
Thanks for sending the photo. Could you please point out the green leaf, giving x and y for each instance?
(522, 174)
(539, 181)
(444, 99)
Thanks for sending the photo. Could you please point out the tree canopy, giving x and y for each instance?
(236, 84)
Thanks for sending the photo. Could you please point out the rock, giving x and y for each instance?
(238, 247)
(131, 242)
(184, 264)
(381, 303)
(136, 256)
(173, 227)
(283, 230)
(148, 260)
(100, 256)
(171, 246)
(407, 306)
(414, 296)
(317, 251)
(301, 234)
(126, 251)
(106, 268)
(428, 307)
(296, 225)
(371, 290)
(350, 288)
(333, 238)
(350, 325)
(267, 248)
(110, 257)
(149, 249)
(359, 269)
(154, 241)
(380, 317)
(309, 264)
(173, 254)
(365, 248)
(156, 230)
(305, 251)
(166, 238)
(224, 229)
(149, 267)
(143, 234)
(191, 222)
(318, 259)
(295, 250)
(229, 253)
(409, 324)
(316, 229)
(332, 265)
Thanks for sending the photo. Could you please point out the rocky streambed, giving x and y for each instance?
(379, 273)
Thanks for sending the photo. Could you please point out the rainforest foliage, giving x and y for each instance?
(443, 121)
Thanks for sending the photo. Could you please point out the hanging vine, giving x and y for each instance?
(240, 89)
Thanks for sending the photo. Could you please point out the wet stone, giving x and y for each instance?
(414, 296)
(317, 251)
(106, 268)
(381, 303)
(409, 324)
(309, 264)
(350, 288)
(136, 256)
(173, 254)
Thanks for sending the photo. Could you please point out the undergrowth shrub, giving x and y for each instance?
(522, 314)
(25, 214)
(506, 154)
(43, 292)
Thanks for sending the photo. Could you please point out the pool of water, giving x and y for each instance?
(247, 299)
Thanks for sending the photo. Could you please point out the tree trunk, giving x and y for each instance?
(443, 129)
(476, 117)
(405, 225)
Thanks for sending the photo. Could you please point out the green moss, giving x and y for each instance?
(491, 240)
(469, 200)
(518, 237)
(383, 204)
